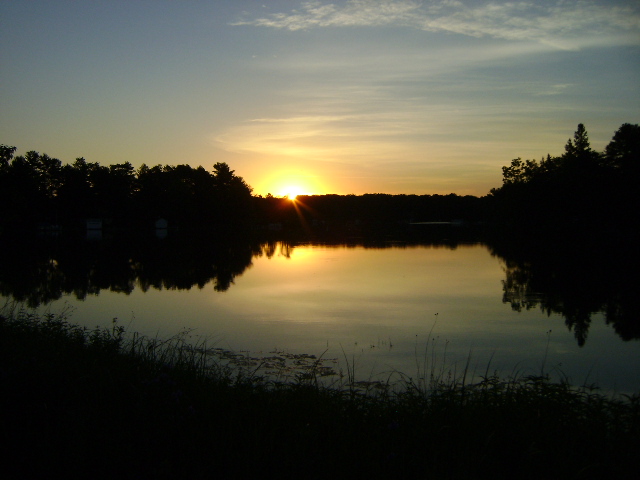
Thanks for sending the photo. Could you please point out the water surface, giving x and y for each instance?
(381, 306)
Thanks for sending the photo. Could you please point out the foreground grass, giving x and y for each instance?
(98, 404)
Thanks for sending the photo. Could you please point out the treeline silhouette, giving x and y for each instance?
(581, 190)
(372, 214)
(38, 189)
(578, 188)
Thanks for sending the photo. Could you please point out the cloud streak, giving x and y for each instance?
(564, 25)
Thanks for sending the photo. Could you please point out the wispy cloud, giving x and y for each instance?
(555, 89)
(355, 13)
(377, 101)
(368, 136)
(318, 137)
(370, 152)
(566, 25)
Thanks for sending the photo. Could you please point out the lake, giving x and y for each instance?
(383, 306)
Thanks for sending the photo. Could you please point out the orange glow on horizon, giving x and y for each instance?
(291, 185)
(292, 192)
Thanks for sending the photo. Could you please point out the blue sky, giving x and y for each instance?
(356, 96)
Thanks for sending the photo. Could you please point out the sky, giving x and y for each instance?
(315, 97)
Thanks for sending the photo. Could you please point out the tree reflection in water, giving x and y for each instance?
(565, 279)
(37, 272)
(576, 280)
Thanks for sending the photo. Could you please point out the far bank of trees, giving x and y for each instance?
(581, 187)
(368, 213)
(38, 189)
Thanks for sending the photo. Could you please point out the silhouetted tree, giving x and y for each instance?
(623, 152)
(580, 148)
(75, 193)
(6, 155)
(30, 185)
(232, 194)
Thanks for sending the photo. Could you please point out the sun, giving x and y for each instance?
(292, 193)
(291, 184)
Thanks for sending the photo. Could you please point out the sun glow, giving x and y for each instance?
(292, 185)
(292, 193)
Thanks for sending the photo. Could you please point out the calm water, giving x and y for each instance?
(381, 305)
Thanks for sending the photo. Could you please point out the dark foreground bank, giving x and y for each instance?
(101, 404)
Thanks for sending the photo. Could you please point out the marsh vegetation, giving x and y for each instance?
(105, 403)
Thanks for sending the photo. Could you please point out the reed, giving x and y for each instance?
(102, 403)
